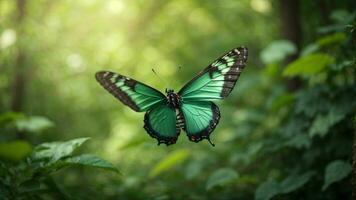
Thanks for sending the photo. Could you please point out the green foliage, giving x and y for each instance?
(35, 124)
(294, 182)
(277, 51)
(271, 188)
(322, 123)
(267, 190)
(336, 171)
(15, 150)
(54, 151)
(90, 161)
(308, 65)
(221, 177)
(170, 161)
(331, 39)
(32, 177)
(9, 117)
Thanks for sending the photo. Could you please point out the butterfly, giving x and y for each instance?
(191, 109)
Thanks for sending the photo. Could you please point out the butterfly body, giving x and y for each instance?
(173, 99)
(191, 109)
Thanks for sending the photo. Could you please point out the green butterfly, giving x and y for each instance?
(191, 109)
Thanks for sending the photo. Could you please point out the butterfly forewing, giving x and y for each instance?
(138, 96)
(218, 79)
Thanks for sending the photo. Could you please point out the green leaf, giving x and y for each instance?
(309, 49)
(308, 65)
(15, 150)
(344, 64)
(281, 101)
(31, 186)
(341, 16)
(293, 182)
(277, 51)
(322, 123)
(91, 161)
(10, 117)
(299, 141)
(332, 39)
(271, 188)
(136, 141)
(170, 161)
(193, 169)
(336, 171)
(267, 190)
(221, 177)
(54, 151)
(35, 124)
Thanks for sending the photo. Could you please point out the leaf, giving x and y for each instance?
(309, 49)
(170, 161)
(281, 101)
(299, 141)
(271, 188)
(313, 101)
(91, 161)
(267, 190)
(10, 117)
(322, 123)
(31, 186)
(35, 124)
(15, 150)
(57, 150)
(221, 177)
(341, 16)
(293, 182)
(308, 65)
(332, 39)
(336, 171)
(193, 169)
(136, 141)
(277, 51)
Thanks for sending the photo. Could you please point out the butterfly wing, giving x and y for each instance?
(160, 123)
(200, 119)
(136, 95)
(218, 79)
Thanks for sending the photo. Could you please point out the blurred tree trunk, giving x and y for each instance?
(19, 79)
(292, 31)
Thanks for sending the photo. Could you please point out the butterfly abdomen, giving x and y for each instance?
(180, 119)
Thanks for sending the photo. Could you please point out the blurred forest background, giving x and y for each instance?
(286, 130)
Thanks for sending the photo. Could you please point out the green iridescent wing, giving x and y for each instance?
(200, 119)
(160, 123)
(136, 95)
(215, 82)
(218, 79)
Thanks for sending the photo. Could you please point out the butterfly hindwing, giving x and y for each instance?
(200, 119)
(218, 79)
(136, 95)
(160, 123)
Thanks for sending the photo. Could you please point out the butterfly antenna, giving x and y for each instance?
(165, 82)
